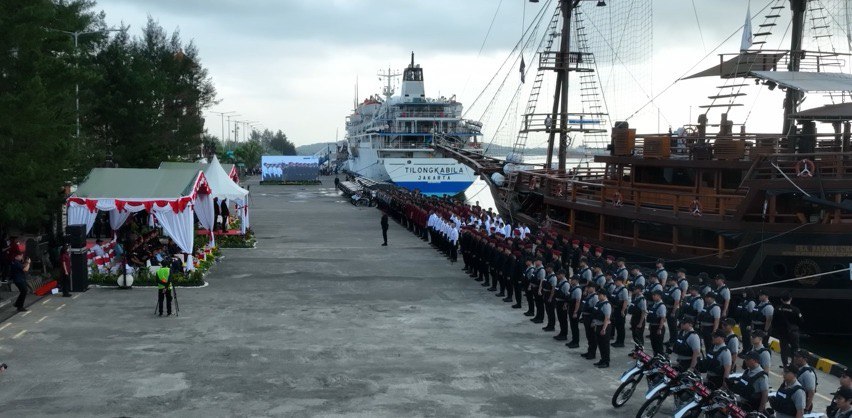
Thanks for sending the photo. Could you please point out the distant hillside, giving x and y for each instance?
(312, 149)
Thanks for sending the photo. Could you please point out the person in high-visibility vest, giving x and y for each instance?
(164, 288)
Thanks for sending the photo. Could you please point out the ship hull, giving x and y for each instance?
(430, 176)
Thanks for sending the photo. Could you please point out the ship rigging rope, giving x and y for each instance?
(482, 47)
(828, 273)
(518, 90)
(788, 179)
(687, 72)
(698, 22)
(500, 69)
(779, 235)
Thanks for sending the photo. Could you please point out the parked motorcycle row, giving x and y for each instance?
(690, 396)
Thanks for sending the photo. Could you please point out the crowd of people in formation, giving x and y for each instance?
(582, 293)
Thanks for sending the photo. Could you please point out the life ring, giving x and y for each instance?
(616, 199)
(805, 168)
(695, 208)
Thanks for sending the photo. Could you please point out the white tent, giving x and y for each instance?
(222, 186)
(171, 195)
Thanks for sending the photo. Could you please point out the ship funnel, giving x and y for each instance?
(412, 83)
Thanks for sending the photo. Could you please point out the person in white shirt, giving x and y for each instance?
(98, 249)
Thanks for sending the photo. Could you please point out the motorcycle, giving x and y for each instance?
(719, 404)
(701, 398)
(631, 378)
(678, 385)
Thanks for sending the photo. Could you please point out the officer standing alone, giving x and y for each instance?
(385, 228)
(164, 288)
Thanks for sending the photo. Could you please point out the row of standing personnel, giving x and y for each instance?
(565, 283)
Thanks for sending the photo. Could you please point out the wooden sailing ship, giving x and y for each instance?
(760, 208)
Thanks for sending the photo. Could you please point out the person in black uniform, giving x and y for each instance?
(589, 301)
(743, 313)
(787, 321)
(601, 324)
(547, 290)
(845, 384)
(657, 322)
(560, 299)
(529, 273)
(575, 304)
(638, 311)
(535, 284)
(620, 300)
(384, 224)
(518, 279)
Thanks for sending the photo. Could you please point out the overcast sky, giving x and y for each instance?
(293, 64)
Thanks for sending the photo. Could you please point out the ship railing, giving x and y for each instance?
(679, 200)
(800, 166)
(424, 114)
(735, 147)
(575, 61)
(576, 122)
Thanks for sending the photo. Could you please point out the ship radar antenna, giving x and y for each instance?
(388, 90)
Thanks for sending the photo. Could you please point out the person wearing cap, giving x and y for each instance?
(609, 283)
(717, 362)
(843, 402)
(687, 345)
(834, 408)
(598, 258)
(575, 303)
(601, 325)
(638, 311)
(517, 280)
(598, 277)
(758, 347)
(752, 384)
(548, 290)
(637, 278)
(657, 322)
(609, 265)
(507, 288)
(560, 300)
(584, 271)
(529, 274)
(761, 315)
(692, 304)
(709, 319)
(789, 400)
(743, 313)
(590, 299)
(806, 375)
(620, 300)
(575, 255)
(660, 270)
(787, 321)
(621, 269)
(537, 283)
(723, 294)
(682, 281)
(586, 252)
(671, 298)
(653, 285)
(731, 340)
(705, 286)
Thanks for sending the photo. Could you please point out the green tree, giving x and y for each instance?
(38, 147)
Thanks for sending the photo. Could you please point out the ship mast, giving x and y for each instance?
(798, 8)
(565, 63)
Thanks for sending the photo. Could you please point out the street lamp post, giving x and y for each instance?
(222, 114)
(229, 125)
(76, 35)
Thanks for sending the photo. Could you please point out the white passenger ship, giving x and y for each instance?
(390, 138)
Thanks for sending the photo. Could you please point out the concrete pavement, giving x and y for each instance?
(318, 320)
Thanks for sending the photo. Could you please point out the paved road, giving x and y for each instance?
(318, 320)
